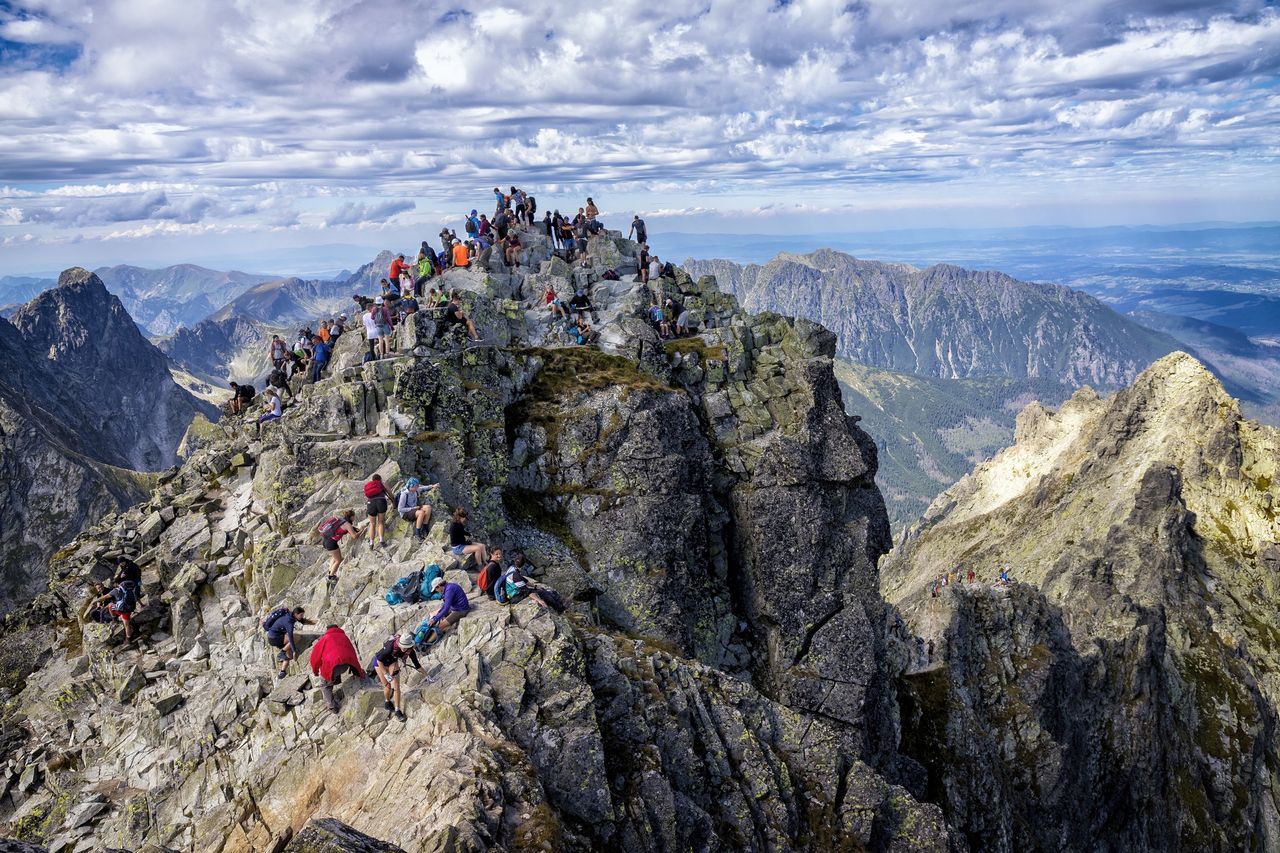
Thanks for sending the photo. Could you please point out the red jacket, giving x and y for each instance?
(333, 649)
(397, 266)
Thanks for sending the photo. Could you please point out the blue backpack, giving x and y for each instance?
(407, 590)
(504, 590)
(426, 634)
(429, 575)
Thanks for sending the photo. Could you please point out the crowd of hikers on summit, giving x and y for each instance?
(408, 289)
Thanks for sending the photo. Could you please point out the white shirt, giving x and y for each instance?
(371, 326)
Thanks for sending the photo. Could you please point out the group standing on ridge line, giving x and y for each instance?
(406, 290)
(958, 576)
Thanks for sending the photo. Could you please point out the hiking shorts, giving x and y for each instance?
(376, 506)
(458, 550)
(329, 544)
(124, 617)
(452, 619)
(410, 516)
(683, 319)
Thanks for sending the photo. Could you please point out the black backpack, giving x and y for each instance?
(272, 617)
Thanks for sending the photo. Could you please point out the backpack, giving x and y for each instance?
(329, 526)
(426, 634)
(552, 598)
(429, 575)
(470, 227)
(407, 590)
(374, 489)
(484, 581)
(128, 599)
(272, 617)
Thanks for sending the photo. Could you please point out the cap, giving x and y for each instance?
(473, 211)
(437, 583)
(378, 301)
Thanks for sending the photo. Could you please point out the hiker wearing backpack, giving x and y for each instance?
(514, 586)
(331, 530)
(279, 626)
(241, 397)
(319, 358)
(460, 544)
(277, 350)
(119, 602)
(412, 509)
(280, 382)
(375, 494)
(333, 656)
(489, 573)
(387, 664)
(453, 606)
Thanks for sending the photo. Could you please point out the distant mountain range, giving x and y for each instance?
(939, 361)
(86, 402)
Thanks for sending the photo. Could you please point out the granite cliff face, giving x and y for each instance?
(1122, 693)
(85, 404)
(721, 680)
(946, 321)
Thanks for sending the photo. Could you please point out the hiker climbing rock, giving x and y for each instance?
(375, 494)
(279, 626)
(387, 664)
(119, 602)
(332, 530)
(333, 656)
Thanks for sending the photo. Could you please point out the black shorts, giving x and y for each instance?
(329, 544)
(276, 640)
(376, 506)
(411, 515)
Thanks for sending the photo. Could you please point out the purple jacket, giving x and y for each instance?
(454, 599)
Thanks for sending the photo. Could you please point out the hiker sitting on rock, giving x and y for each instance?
(453, 606)
(580, 302)
(274, 408)
(241, 397)
(279, 380)
(658, 318)
(460, 544)
(582, 332)
(333, 656)
(514, 586)
(511, 249)
(333, 529)
(387, 665)
(117, 603)
(453, 316)
(413, 509)
(553, 302)
(279, 626)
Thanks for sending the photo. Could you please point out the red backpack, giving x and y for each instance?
(374, 489)
(488, 576)
(329, 526)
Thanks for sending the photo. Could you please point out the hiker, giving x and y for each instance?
(277, 351)
(337, 328)
(655, 268)
(453, 606)
(511, 249)
(274, 408)
(425, 270)
(453, 316)
(487, 579)
(319, 358)
(580, 302)
(549, 225)
(387, 664)
(333, 656)
(241, 397)
(117, 603)
(127, 570)
(658, 317)
(591, 210)
(460, 544)
(681, 314)
(1004, 577)
(279, 626)
(553, 302)
(377, 327)
(516, 586)
(375, 494)
(461, 255)
(398, 266)
(637, 228)
(411, 510)
(530, 209)
(582, 331)
(643, 261)
(279, 380)
(486, 229)
(973, 576)
(331, 531)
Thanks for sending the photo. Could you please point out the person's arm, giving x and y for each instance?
(413, 656)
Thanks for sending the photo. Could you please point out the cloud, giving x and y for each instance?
(355, 213)
(197, 112)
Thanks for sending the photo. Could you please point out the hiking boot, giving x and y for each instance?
(282, 673)
(390, 708)
(400, 716)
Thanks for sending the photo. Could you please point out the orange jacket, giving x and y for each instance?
(460, 258)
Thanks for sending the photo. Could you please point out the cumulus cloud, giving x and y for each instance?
(196, 112)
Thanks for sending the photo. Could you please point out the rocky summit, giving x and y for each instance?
(722, 677)
(1119, 692)
(87, 406)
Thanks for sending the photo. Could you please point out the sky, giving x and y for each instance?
(238, 131)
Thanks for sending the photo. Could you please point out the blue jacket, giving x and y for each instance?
(321, 353)
(454, 599)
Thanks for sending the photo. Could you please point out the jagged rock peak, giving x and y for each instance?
(78, 275)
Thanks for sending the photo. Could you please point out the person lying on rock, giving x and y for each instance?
(331, 531)
(460, 544)
(387, 665)
(279, 626)
(332, 656)
(453, 606)
(413, 509)
(117, 603)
